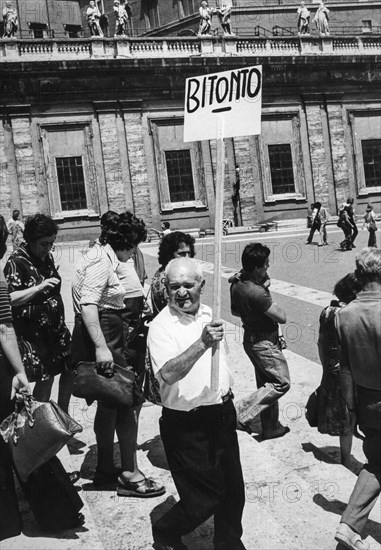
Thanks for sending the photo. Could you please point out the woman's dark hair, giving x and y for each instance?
(107, 218)
(123, 231)
(347, 288)
(171, 243)
(318, 205)
(254, 255)
(3, 236)
(39, 225)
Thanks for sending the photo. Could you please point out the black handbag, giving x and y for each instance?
(137, 339)
(113, 389)
(312, 409)
(35, 432)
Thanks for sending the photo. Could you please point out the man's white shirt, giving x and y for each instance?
(170, 334)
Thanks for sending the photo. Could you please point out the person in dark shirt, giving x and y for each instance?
(251, 300)
(352, 218)
(358, 327)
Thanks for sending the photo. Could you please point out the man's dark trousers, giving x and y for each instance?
(203, 455)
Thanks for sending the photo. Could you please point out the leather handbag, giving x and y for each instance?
(312, 409)
(35, 432)
(113, 388)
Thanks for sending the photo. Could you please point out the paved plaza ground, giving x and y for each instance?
(296, 489)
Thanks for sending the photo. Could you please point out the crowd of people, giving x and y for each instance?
(319, 218)
(199, 421)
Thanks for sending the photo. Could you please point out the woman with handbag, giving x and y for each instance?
(49, 490)
(370, 224)
(12, 379)
(98, 336)
(173, 245)
(38, 310)
(332, 416)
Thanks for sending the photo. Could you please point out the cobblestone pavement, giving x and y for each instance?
(296, 489)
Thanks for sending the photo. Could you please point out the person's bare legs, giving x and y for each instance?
(127, 432)
(345, 450)
(65, 389)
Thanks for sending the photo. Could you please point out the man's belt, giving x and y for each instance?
(253, 338)
(225, 398)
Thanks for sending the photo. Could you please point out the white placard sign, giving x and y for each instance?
(235, 96)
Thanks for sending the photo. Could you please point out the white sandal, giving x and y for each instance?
(352, 540)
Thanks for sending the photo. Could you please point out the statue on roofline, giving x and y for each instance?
(304, 15)
(224, 13)
(93, 16)
(206, 15)
(321, 19)
(11, 20)
(122, 17)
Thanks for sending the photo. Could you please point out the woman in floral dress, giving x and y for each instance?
(38, 311)
(332, 410)
(173, 245)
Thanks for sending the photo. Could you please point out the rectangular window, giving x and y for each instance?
(282, 175)
(371, 154)
(71, 183)
(180, 178)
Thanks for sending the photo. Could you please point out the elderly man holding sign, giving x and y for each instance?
(198, 423)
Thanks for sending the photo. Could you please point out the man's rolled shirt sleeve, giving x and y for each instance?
(162, 348)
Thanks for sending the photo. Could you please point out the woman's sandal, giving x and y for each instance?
(145, 488)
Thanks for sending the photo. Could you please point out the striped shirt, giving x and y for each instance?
(5, 306)
(95, 280)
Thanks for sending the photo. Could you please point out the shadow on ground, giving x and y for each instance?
(155, 452)
(331, 455)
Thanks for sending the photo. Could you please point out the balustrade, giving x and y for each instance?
(109, 48)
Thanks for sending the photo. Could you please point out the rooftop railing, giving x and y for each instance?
(25, 50)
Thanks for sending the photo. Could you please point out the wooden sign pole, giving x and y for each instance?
(218, 231)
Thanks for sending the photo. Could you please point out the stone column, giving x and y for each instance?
(319, 153)
(339, 152)
(142, 189)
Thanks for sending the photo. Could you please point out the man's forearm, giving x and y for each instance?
(176, 369)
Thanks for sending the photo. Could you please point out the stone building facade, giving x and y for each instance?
(94, 124)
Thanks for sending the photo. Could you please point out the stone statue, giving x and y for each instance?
(206, 14)
(121, 19)
(224, 13)
(321, 19)
(11, 20)
(304, 15)
(93, 15)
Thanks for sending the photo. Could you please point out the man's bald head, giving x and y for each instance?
(184, 281)
(186, 265)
